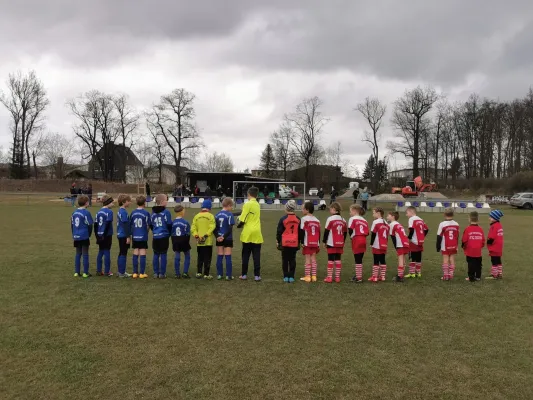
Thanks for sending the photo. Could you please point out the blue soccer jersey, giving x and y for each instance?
(123, 223)
(160, 222)
(225, 221)
(104, 222)
(181, 228)
(140, 224)
(82, 224)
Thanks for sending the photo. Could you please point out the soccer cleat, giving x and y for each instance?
(99, 273)
(229, 278)
(286, 280)
(313, 278)
(199, 276)
(291, 280)
(178, 276)
(328, 280)
(382, 279)
(186, 276)
(143, 276)
(419, 275)
(257, 278)
(86, 275)
(76, 275)
(109, 274)
(373, 279)
(397, 279)
(208, 277)
(306, 279)
(243, 277)
(337, 280)
(135, 276)
(124, 275)
(161, 276)
(407, 276)
(219, 277)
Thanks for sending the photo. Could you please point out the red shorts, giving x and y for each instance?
(415, 248)
(335, 250)
(449, 252)
(308, 251)
(378, 251)
(402, 251)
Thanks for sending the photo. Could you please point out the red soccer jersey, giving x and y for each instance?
(381, 230)
(449, 231)
(336, 225)
(397, 232)
(496, 234)
(473, 241)
(419, 228)
(310, 225)
(360, 231)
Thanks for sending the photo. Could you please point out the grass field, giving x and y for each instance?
(107, 338)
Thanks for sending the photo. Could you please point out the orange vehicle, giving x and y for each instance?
(414, 188)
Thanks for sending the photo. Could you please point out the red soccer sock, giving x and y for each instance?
(451, 270)
(307, 269)
(500, 270)
(375, 271)
(313, 268)
(494, 271)
(359, 271)
(401, 270)
(338, 266)
(418, 267)
(383, 271)
(330, 269)
(445, 271)
(412, 268)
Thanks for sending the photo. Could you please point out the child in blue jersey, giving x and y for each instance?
(123, 234)
(161, 225)
(224, 234)
(140, 225)
(103, 227)
(81, 224)
(181, 236)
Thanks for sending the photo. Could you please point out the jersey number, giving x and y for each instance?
(100, 221)
(221, 220)
(76, 222)
(138, 222)
(178, 231)
(362, 229)
(451, 235)
(384, 234)
(158, 222)
(339, 229)
(313, 231)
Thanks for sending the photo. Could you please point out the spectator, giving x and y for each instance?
(220, 191)
(333, 195)
(147, 189)
(320, 194)
(364, 199)
(73, 194)
(355, 194)
(196, 190)
(208, 192)
(90, 194)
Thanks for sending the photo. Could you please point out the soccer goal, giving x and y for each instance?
(271, 190)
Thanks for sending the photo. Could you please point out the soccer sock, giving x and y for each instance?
(412, 268)
(330, 269)
(120, 264)
(99, 261)
(451, 270)
(86, 263)
(313, 268)
(163, 263)
(307, 269)
(155, 263)
(143, 264)
(229, 265)
(177, 262)
(401, 270)
(445, 271)
(383, 271)
(500, 270)
(418, 268)
(107, 261)
(375, 271)
(338, 265)
(187, 263)
(220, 265)
(494, 270)
(359, 271)
(77, 263)
(135, 262)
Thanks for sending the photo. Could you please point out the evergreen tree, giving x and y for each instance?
(377, 170)
(268, 161)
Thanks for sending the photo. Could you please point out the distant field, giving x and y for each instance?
(67, 338)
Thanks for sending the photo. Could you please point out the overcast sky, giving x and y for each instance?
(251, 61)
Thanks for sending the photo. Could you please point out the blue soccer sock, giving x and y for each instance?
(99, 260)
(143, 264)
(107, 261)
(77, 263)
(122, 264)
(177, 262)
(220, 265)
(187, 262)
(135, 262)
(164, 264)
(86, 263)
(155, 263)
(229, 266)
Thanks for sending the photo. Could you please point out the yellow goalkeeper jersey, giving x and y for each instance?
(203, 224)
(251, 216)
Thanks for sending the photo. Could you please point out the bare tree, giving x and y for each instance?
(26, 100)
(127, 120)
(410, 119)
(217, 162)
(55, 146)
(155, 153)
(307, 123)
(283, 151)
(373, 111)
(4, 156)
(173, 119)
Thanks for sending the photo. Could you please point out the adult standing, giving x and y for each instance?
(208, 192)
(90, 193)
(333, 195)
(321, 194)
(355, 194)
(364, 199)
(73, 194)
(220, 191)
(147, 189)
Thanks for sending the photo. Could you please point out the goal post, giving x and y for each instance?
(281, 190)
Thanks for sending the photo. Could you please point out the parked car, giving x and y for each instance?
(313, 192)
(522, 200)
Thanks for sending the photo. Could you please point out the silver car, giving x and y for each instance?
(522, 200)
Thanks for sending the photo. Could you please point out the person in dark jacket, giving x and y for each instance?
(147, 188)
(90, 194)
(320, 194)
(73, 194)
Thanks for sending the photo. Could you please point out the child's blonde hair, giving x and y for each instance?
(227, 202)
(122, 198)
(179, 210)
(160, 198)
(412, 209)
(336, 206)
(358, 209)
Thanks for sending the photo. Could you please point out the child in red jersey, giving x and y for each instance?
(288, 240)
(400, 242)
(448, 243)
(379, 243)
(334, 238)
(358, 230)
(310, 239)
(418, 230)
(495, 244)
(473, 242)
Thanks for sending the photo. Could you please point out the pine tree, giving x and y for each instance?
(268, 161)
(380, 169)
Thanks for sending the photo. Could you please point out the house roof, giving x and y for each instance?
(119, 151)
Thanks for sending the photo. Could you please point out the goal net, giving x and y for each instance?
(271, 190)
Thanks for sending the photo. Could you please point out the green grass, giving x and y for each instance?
(67, 338)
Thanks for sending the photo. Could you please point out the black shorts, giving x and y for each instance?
(334, 257)
(496, 260)
(181, 244)
(123, 246)
(82, 243)
(416, 256)
(105, 243)
(140, 244)
(160, 246)
(225, 243)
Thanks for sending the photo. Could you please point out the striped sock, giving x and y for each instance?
(418, 268)
(338, 265)
(445, 271)
(330, 269)
(313, 268)
(451, 270)
(500, 270)
(412, 268)
(401, 270)
(383, 271)
(359, 271)
(375, 271)
(307, 269)
(494, 271)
